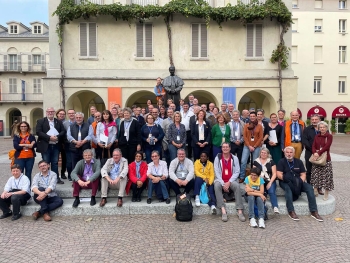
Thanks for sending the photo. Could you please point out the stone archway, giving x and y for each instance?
(203, 96)
(12, 115)
(140, 98)
(35, 114)
(258, 99)
(83, 100)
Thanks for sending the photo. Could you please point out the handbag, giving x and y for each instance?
(203, 194)
(321, 160)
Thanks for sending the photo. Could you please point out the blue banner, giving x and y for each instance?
(23, 90)
(229, 95)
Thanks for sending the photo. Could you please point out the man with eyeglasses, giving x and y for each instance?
(44, 189)
(50, 132)
(155, 114)
(114, 176)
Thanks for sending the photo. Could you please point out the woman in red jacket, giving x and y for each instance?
(322, 176)
(137, 177)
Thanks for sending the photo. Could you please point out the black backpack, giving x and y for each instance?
(183, 208)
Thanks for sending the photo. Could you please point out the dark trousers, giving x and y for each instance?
(198, 150)
(216, 150)
(176, 188)
(92, 185)
(77, 155)
(237, 150)
(68, 154)
(308, 166)
(16, 201)
(128, 152)
(189, 144)
(307, 188)
(63, 161)
(51, 157)
(136, 192)
(148, 151)
(48, 203)
(197, 188)
(27, 166)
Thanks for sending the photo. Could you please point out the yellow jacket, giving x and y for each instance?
(207, 173)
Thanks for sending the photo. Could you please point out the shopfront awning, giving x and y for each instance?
(341, 112)
(317, 110)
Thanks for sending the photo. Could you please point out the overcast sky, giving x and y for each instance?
(24, 11)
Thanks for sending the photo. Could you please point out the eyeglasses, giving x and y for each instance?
(50, 111)
(97, 117)
(44, 165)
(153, 156)
(23, 126)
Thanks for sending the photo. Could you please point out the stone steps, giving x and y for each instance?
(142, 208)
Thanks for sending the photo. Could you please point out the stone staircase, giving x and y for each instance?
(133, 208)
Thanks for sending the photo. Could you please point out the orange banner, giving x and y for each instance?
(114, 97)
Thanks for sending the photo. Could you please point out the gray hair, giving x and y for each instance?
(118, 150)
(322, 123)
(79, 113)
(86, 151)
(290, 148)
(267, 151)
(239, 113)
(127, 109)
(154, 151)
(181, 150)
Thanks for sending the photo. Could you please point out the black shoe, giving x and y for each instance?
(168, 201)
(63, 176)
(133, 199)
(138, 199)
(15, 217)
(76, 202)
(59, 181)
(6, 215)
(93, 201)
(69, 178)
(149, 200)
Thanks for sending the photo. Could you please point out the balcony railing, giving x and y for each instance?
(99, 2)
(26, 97)
(144, 2)
(247, 2)
(22, 67)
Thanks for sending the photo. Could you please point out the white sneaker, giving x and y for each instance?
(213, 210)
(261, 223)
(197, 201)
(252, 222)
(275, 209)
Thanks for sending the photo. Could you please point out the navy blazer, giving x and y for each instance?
(42, 127)
(16, 141)
(195, 133)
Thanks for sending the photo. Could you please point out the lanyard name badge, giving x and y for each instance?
(296, 135)
(252, 135)
(19, 180)
(126, 127)
(226, 167)
(178, 138)
(46, 181)
(223, 130)
(183, 174)
(89, 171)
(237, 131)
(155, 171)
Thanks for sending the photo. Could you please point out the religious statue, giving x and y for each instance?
(173, 86)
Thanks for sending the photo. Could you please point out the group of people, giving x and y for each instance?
(199, 145)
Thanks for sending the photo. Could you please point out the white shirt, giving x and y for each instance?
(186, 119)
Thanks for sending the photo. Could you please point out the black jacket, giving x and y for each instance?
(42, 127)
(134, 134)
(309, 134)
(195, 133)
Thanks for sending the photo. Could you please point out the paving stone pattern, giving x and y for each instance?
(160, 238)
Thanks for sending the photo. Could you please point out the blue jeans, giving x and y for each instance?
(307, 188)
(48, 203)
(197, 187)
(51, 157)
(172, 151)
(162, 185)
(272, 194)
(245, 156)
(27, 166)
(216, 150)
(148, 151)
(259, 203)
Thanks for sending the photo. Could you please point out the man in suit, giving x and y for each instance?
(49, 145)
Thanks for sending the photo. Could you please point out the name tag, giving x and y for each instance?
(236, 133)
(296, 137)
(223, 139)
(125, 134)
(150, 135)
(183, 175)
(178, 137)
(226, 171)
(252, 139)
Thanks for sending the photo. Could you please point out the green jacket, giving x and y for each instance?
(79, 170)
(216, 135)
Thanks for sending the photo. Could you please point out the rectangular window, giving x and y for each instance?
(37, 86)
(318, 25)
(88, 40)
(342, 85)
(36, 59)
(144, 40)
(342, 4)
(318, 55)
(13, 62)
(342, 54)
(254, 40)
(37, 29)
(295, 4)
(342, 25)
(199, 41)
(295, 25)
(294, 54)
(318, 3)
(12, 85)
(13, 29)
(317, 85)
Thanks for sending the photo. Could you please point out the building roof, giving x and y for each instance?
(27, 34)
(19, 23)
(3, 28)
(41, 23)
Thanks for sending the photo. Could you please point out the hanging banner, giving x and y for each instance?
(114, 97)
(229, 95)
(23, 90)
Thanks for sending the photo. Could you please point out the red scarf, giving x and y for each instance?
(111, 124)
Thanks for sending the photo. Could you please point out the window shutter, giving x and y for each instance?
(29, 62)
(250, 40)
(139, 40)
(204, 41)
(5, 62)
(42, 62)
(19, 62)
(92, 39)
(148, 40)
(15, 85)
(83, 39)
(258, 40)
(195, 40)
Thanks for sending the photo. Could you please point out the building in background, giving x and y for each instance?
(320, 58)
(24, 56)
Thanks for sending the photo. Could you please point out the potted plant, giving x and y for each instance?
(333, 126)
(308, 122)
(347, 126)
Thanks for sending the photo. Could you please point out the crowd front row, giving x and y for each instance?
(221, 179)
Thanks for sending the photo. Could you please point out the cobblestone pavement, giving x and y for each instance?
(160, 238)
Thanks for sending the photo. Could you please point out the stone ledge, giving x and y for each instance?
(142, 208)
